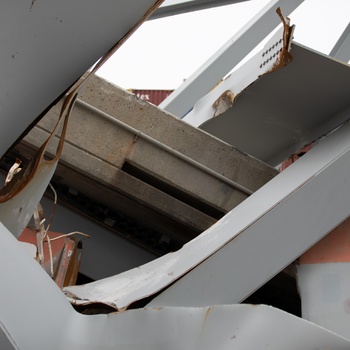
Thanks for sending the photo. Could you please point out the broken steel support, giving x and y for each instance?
(182, 99)
(248, 246)
(36, 315)
(266, 240)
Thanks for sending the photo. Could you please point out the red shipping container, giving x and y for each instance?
(152, 96)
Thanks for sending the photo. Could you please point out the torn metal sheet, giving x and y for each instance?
(273, 56)
(65, 255)
(17, 210)
(20, 196)
(284, 57)
(223, 103)
(15, 169)
(281, 112)
(222, 327)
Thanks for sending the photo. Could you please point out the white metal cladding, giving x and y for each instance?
(36, 315)
(47, 46)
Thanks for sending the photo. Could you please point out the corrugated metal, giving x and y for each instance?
(152, 96)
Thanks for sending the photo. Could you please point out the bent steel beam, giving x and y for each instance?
(248, 246)
(34, 314)
(272, 227)
(182, 99)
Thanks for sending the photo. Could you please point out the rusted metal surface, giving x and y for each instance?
(223, 103)
(29, 174)
(65, 256)
(16, 211)
(284, 57)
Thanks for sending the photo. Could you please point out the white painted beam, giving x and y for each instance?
(176, 7)
(341, 49)
(271, 228)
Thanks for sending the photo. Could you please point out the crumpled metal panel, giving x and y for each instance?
(206, 270)
(278, 113)
(274, 55)
(223, 97)
(64, 258)
(223, 327)
(44, 319)
(20, 196)
(16, 212)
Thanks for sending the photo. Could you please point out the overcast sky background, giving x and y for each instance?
(164, 52)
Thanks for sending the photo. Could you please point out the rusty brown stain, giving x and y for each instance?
(285, 57)
(130, 147)
(65, 255)
(207, 312)
(224, 102)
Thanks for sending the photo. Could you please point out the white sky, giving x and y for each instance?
(164, 52)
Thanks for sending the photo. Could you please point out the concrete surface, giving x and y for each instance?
(149, 173)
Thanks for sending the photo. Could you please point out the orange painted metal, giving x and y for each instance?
(152, 96)
(65, 256)
(294, 157)
(335, 247)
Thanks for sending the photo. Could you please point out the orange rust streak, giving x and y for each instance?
(65, 255)
(285, 57)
